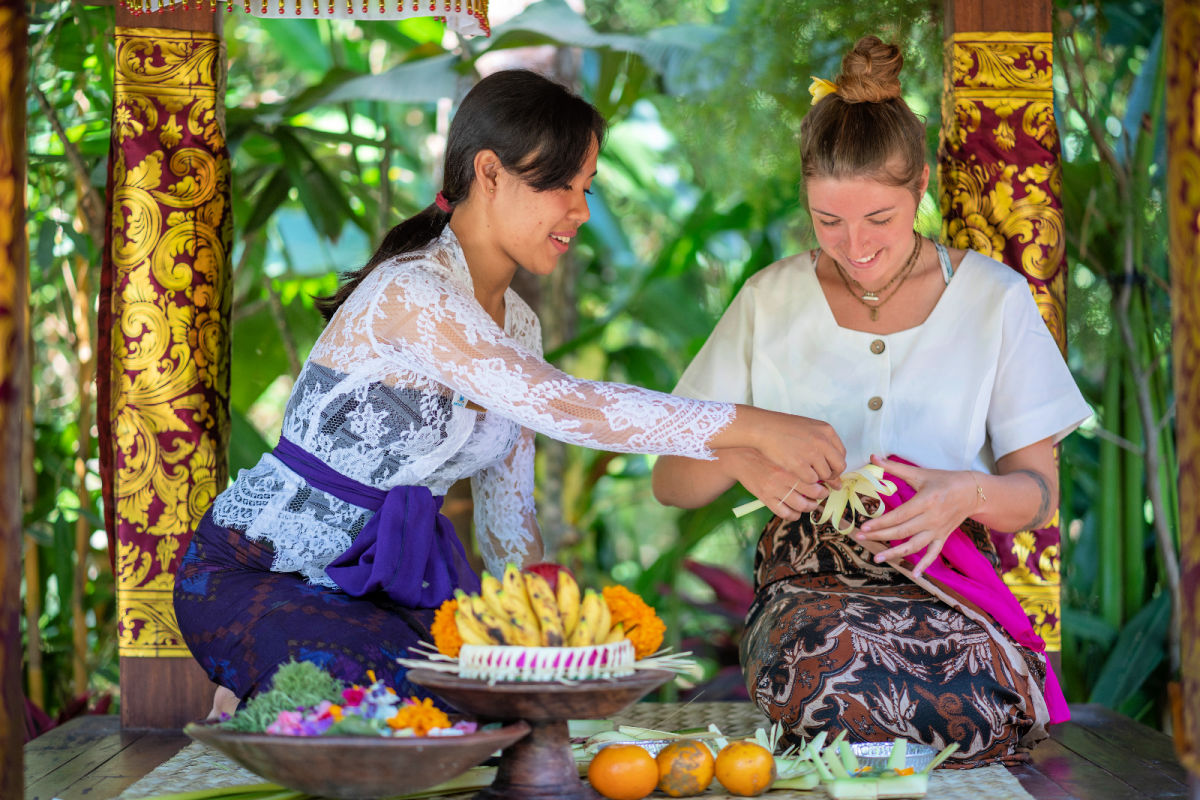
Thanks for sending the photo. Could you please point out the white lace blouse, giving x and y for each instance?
(382, 399)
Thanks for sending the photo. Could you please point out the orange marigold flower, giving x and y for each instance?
(420, 715)
(642, 625)
(445, 629)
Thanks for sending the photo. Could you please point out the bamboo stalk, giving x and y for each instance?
(1108, 520)
(79, 286)
(35, 675)
(1130, 261)
(1133, 514)
(35, 672)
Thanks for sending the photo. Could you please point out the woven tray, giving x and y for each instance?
(197, 767)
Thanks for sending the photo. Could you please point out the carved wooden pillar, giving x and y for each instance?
(1000, 185)
(164, 325)
(14, 302)
(1182, 33)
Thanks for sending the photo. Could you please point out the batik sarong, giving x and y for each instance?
(242, 621)
(835, 641)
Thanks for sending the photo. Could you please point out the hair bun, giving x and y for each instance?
(870, 72)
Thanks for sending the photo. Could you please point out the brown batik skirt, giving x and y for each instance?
(835, 641)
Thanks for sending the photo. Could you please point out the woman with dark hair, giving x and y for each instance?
(332, 549)
(934, 367)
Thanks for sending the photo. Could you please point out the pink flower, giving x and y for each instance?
(288, 723)
(354, 695)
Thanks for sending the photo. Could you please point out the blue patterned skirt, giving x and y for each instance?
(242, 621)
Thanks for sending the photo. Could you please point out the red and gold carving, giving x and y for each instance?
(12, 212)
(169, 294)
(14, 300)
(1182, 30)
(1001, 184)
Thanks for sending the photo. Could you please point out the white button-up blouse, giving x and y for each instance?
(981, 377)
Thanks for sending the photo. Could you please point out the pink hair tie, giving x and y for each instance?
(441, 202)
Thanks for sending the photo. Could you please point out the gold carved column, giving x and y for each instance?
(1182, 33)
(164, 386)
(1000, 187)
(14, 302)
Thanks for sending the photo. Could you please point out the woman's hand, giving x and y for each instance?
(784, 493)
(807, 448)
(943, 500)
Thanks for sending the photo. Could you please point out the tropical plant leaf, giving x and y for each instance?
(1140, 648)
(425, 80)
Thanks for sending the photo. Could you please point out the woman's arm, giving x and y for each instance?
(443, 332)
(506, 527)
(1023, 495)
(689, 483)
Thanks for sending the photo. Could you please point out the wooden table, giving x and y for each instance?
(1098, 755)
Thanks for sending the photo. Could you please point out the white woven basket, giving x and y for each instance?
(505, 663)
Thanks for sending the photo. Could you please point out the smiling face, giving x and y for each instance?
(536, 228)
(864, 224)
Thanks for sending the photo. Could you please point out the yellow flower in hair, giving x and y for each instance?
(821, 87)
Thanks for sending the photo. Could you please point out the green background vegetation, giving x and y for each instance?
(333, 129)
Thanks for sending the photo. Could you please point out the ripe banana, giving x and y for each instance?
(604, 624)
(516, 599)
(525, 627)
(541, 599)
(489, 590)
(616, 634)
(469, 627)
(497, 627)
(567, 596)
(589, 614)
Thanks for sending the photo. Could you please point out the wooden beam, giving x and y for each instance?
(1017, 16)
(197, 17)
(14, 300)
(1181, 25)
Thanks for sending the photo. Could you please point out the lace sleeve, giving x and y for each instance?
(439, 328)
(505, 523)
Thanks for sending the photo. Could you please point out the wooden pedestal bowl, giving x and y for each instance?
(541, 765)
(357, 767)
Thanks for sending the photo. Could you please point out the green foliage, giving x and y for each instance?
(297, 684)
(1120, 509)
(334, 129)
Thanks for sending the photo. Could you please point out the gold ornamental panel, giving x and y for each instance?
(1000, 194)
(171, 233)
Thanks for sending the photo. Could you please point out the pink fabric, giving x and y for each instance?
(961, 568)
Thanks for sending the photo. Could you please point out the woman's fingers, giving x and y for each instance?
(907, 472)
(891, 524)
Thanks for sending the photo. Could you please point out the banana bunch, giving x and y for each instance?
(519, 608)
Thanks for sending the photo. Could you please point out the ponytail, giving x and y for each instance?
(411, 234)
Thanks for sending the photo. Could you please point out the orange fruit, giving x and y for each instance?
(746, 769)
(623, 772)
(685, 768)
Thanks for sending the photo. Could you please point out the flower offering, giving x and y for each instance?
(304, 700)
(537, 624)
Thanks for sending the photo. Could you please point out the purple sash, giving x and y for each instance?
(408, 549)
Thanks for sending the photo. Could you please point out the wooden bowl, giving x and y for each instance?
(357, 767)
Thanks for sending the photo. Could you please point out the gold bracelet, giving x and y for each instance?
(978, 488)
